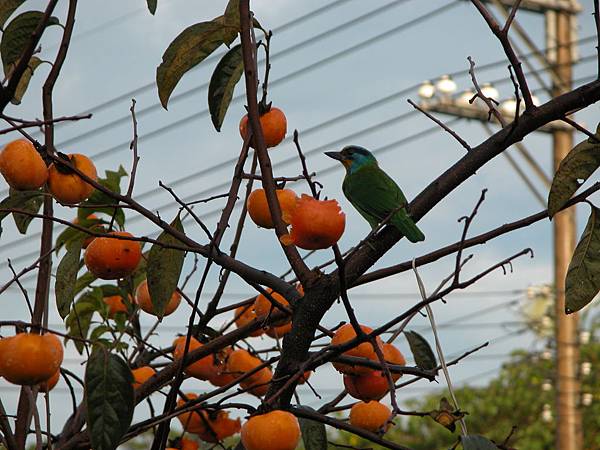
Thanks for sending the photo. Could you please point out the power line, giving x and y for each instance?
(404, 141)
(311, 130)
(184, 95)
(286, 78)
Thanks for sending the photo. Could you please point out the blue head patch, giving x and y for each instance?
(356, 157)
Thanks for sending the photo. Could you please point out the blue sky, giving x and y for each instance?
(117, 46)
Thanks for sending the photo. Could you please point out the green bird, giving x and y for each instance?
(373, 193)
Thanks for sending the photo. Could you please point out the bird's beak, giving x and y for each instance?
(335, 155)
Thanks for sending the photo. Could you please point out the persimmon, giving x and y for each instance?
(184, 444)
(204, 368)
(191, 421)
(305, 376)
(222, 377)
(110, 258)
(244, 315)
(316, 224)
(115, 304)
(29, 358)
(48, 385)
(394, 356)
(241, 361)
(277, 332)
(188, 444)
(98, 227)
(258, 207)
(141, 375)
(142, 298)
(371, 416)
(218, 427)
(210, 427)
(365, 350)
(273, 124)
(372, 386)
(258, 384)
(275, 430)
(68, 187)
(263, 306)
(22, 166)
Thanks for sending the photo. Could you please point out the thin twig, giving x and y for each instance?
(445, 127)
(39, 123)
(134, 147)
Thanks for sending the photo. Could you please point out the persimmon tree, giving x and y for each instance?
(104, 283)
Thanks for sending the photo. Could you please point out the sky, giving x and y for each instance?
(342, 72)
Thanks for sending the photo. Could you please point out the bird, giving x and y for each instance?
(373, 193)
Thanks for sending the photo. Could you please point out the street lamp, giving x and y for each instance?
(426, 90)
(490, 91)
(464, 98)
(446, 86)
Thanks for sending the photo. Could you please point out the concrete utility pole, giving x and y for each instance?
(569, 432)
(560, 19)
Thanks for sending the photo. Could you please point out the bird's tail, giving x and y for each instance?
(407, 227)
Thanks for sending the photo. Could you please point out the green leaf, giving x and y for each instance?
(31, 205)
(7, 7)
(17, 34)
(422, 353)
(583, 276)
(231, 18)
(314, 435)
(66, 277)
(84, 281)
(112, 181)
(477, 442)
(34, 62)
(574, 170)
(79, 319)
(15, 200)
(152, 6)
(222, 84)
(163, 269)
(188, 49)
(109, 398)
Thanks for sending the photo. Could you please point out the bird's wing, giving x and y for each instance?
(373, 193)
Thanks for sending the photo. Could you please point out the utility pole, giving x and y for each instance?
(569, 432)
(560, 20)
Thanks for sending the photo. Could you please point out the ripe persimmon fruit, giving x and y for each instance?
(275, 430)
(22, 166)
(394, 356)
(244, 315)
(371, 416)
(68, 187)
(115, 304)
(258, 207)
(222, 376)
(142, 298)
(277, 332)
(29, 358)
(110, 258)
(371, 386)
(273, 124)
(316, 224)
(203, 369)
(48, 385)
(258, 384)
(263, 306)
(304, 378)
(210, 427)
(365, 350)
(184, 444)
(241, 361)
(141, 375)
